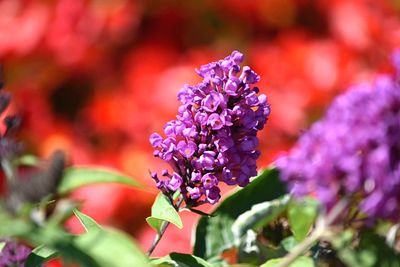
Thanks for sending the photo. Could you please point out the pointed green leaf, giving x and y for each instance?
(40, 255)
(155, 223)
(214, 234)
(88, 223)
(162, 210)
(301, 216)
(302, 261)
(76, 177)
(2, 245)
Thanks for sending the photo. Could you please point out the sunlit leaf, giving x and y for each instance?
(163, 210)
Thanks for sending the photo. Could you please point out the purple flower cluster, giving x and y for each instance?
(214, 136)
(354, 151)
(13, 254)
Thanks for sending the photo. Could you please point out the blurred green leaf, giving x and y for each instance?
(258, 216)
(88, 223)
(27, 160)
(40, 255)
(108, 247)
(302, 261)
(289, 243)
(372, 251)
(213, 234)
(163, 210)
(2, 245)
(181, 260)
(76, 177)
(301, 216)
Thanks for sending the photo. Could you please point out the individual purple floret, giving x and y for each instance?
(213, 138)
(354, 151)
(13, 254)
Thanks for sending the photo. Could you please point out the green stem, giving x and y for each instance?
(163, 228)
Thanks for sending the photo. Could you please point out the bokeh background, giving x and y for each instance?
(95, 78)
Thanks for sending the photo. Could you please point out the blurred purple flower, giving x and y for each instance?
(354, 151)
(13, 254)
(213, 138)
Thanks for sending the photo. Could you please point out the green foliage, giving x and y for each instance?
(214, 234)
(180, 260)
(372, 251)
(108, 247)
(301, 216)
(76, 177)
(301, 261)
(40, 255)
(163, 210)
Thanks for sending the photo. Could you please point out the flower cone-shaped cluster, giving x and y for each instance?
(354, 151)
(214, 137)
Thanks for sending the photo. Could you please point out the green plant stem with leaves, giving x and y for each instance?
(322, 229)
(163, 228)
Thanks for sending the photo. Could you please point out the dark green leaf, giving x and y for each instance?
(77, 177)
(214, 235)
(163, 210)
(301, 216)
(40, 255)
(181, 260)
(302, 261)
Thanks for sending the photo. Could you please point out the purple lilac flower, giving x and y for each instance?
(354, 151)
(13, 254)
(213, 138)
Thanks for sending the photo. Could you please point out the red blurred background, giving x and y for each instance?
(95, 78)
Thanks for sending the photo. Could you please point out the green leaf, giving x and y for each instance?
(112, 248)
(214, 234)
(88, 223)
(162, 210)
(181, 260)
(302, 261)
(258, 216)
(76, 177)
(40, 255)
(108, 247)
(2, 245)
(372, 251)
(301, 216)
(289, 243)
